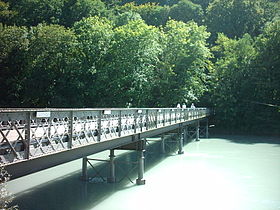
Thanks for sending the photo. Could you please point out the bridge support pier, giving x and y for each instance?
(112, 177)
(141, 162)
(162, 144)
(181, 137)
(186, 133)
(84, 176)
(197, 132)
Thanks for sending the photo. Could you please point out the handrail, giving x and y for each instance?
(5, 110)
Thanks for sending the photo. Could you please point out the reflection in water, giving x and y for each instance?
(219, 174)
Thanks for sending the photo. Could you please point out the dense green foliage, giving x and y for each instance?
(237, 17)
(184, 63)
(247, 79)
(185, 11)
(92, 53)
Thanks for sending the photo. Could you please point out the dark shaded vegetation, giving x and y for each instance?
(222, 54)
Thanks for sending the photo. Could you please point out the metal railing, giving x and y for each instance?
(31, 133)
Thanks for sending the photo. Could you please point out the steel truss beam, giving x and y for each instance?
(35, 139)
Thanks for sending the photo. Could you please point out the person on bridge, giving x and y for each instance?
(192, 106)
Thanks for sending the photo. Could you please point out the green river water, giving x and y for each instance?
(228, 173)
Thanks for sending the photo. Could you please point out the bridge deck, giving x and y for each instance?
(35, 139)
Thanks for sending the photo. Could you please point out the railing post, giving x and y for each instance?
(71, 127)
(99, 125)
(164, 117)
(170, 116)
(180, 110)
(27, 135)
(156, 118)
(141, 121)
(120, 123)
(192, 114)
(135, 120)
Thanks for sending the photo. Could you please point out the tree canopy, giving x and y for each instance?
(222, 54)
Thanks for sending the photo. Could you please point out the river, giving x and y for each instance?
(228, 173)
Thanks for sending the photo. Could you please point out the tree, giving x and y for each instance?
(185, 11)
(268, 63)
(161, 2)
(13, 45)
(184, 62)
(232, 84)
(237, 17)
(267, 76)
(203, 3)
(6, 14)
(151, 13)
(75, 10)
(130, 65)
(126, 17)
(95, 36)
(52, 67)
(33, 12)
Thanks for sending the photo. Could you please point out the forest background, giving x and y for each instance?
(222, 54)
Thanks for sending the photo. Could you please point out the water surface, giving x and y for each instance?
(229, 173)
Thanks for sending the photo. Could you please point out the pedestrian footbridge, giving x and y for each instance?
(35, 139)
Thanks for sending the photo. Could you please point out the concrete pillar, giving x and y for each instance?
(197, 132)
(84, 169)
(180, 138)
(141, 158)
(162, 144)
(112, 177)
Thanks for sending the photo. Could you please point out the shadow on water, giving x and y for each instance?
(243, 139)
(70, 193)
